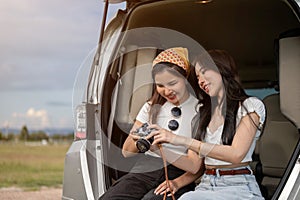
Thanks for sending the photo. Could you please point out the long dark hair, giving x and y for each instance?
(235, 96)
(157, 100)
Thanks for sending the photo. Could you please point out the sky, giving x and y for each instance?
(42, 46)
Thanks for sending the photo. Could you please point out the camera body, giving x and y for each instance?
(143, 144)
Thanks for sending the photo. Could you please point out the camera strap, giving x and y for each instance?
(166, 173)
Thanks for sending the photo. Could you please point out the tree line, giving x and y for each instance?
(25, 135)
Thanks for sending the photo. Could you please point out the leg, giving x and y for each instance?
(235, 187)
(151, 196)
(132, 186)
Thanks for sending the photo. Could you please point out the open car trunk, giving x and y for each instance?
(119, 82)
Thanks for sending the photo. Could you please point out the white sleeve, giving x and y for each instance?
(253, 104)
(143, 115)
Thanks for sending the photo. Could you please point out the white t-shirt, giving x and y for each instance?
(188, 111)
(252, 104)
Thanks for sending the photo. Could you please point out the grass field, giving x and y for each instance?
(31, 166)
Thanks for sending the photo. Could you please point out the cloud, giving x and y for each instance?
(33, 119)
(43, 43)
(58, 104)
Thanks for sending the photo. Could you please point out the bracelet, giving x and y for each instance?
(199, 150)
(205, 148)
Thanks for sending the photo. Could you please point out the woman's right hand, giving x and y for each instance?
(134, 136)
(129, 148)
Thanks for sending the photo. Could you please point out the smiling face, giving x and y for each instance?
(173, 88)
(209, 81)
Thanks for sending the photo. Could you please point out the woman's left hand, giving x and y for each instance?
(163, 188)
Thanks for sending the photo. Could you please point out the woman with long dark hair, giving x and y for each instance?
(225, 132)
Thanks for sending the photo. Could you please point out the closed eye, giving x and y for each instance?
(203, 70)
(159, 85)
(172, 83)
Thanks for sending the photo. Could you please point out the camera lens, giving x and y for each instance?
(143, 145)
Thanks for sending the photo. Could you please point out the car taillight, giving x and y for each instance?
(80, 122)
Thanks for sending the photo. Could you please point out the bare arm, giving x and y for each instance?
(189, 162)
(241, 143)
(233, 153)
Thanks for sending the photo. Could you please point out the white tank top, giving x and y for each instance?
(252, 104)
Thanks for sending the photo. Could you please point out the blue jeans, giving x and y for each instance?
(231, 187)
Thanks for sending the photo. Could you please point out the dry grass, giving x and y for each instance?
(31, 166)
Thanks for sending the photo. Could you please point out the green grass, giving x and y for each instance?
(31, 167)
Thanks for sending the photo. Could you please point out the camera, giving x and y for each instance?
(142, 143)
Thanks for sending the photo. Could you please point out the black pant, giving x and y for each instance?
(140, 183)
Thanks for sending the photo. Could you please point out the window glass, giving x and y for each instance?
(261, 93)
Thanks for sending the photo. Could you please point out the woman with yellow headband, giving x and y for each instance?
(171, 106)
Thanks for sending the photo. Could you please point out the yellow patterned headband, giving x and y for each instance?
(176, 55)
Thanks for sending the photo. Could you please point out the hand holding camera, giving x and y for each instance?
(143, 143)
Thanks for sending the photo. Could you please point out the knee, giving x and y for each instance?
(186, 196)
(108, 195)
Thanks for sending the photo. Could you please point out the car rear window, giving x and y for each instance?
(261, 93)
